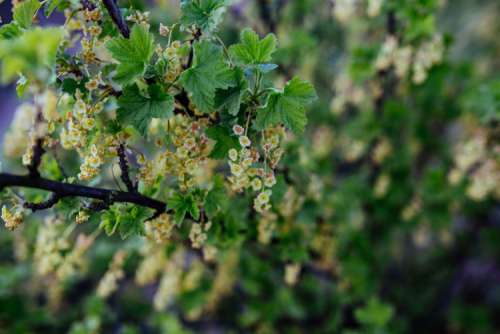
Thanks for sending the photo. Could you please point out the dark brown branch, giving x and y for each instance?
(97, 206)
(117, 17)
(183, 99)
(391, 23)
(386, 77)
(38, 152)
(53, 199)
(61, 190)
(104, 197)
(196, 36)
(125, 172)
(190, 57)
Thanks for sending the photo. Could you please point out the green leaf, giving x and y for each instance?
(287, 106)
(279, 190)
(138, 110)
(51, 6)
(375, 314)
(216, 199)
(361, 65)
(110, 220)
(132, 223)
(265, 68)
(127, 220)
(224, 141)
(253, 50)
(70, 85)
(205, 14)
(208, 73)
(25, 54)
(484, 100)
(24, 12)
(9, 31)
(133, 54)
(230, 99)
(183, 205)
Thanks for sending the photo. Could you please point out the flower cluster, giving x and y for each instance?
(485, 180)
(189, 151)
(292, 202)
(193, 276)
(243, 164)
(74, 262)
(352, 149)
(343, 10)
(12, 219)
(426, 55)
(109, 282)
(475, 158)
(48, 103)
(391, 54)
(292, 271)
(89, 23)
(16, 139)
(373, 8)
(198, 234)
(241, 171)
(382, 150)
(160, 229)
(174, 58)
(346, 93)
(152, 263)
(266, 227)
(315, 191)
(164, 30)
(411, 209)
(381, 185)
(93, 15)
(79, 122)
(82, 216)
(322, 142)
(261, 202)
(209, 253)
(170, 281)
(28, 155)
(50, 246)
(91, 163)
(139, 17)
(272, 138)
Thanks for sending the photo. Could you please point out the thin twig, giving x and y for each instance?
(62, 189)
(50, 202)
(97, 206)
(38, 152)
(196, 36)
(125, 172)
(117, 17)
